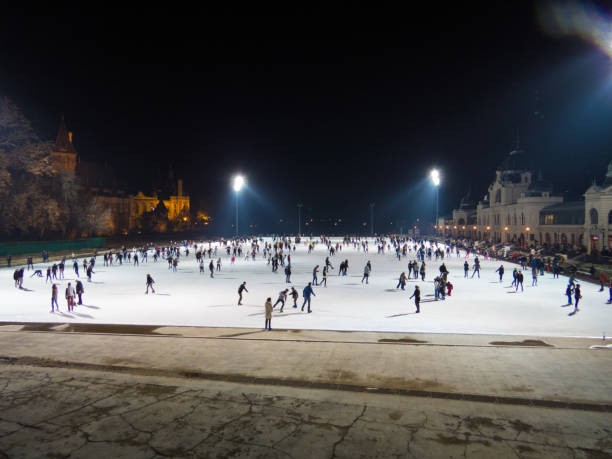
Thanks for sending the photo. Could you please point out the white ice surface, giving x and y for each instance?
(479, 306)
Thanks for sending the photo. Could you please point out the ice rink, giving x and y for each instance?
(186, 297)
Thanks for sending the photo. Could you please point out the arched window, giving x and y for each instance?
(594, 216)
(498, 196)
(461, 221)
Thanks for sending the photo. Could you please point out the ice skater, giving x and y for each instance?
(288, 273)
(268, 305)
(519, 281)
(577, 297)
(150, 283)
(315, 278)
(308, 291)
(324, 280)
(500, 270)
(241, 289)
(476, 267)
(366, 272)
(282, 297)
(569, 291)
(70, 297)
(402, 281)
(79, 291)
(54, 298)
(294, 294)
(211, 268)
(417, 298)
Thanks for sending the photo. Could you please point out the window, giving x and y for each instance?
(498, 196)
(610, 218)
(522, 219)
(594, 216)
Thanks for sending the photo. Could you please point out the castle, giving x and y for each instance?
(100, 181)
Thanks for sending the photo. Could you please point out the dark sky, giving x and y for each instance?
(333, 111)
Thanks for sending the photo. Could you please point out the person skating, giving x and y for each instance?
(402, 281)
(79, 291)
(54, 298)
(534, 275)
(315, 271)
(476, 267)
(282, 296)
(268, 324)
(89, 272)
(288, 273)
(602, 281)
(422, 271)
(500, 270)
(449, 288)
(211, 268)
(75, 266)
(569, 291)
(218, 264)
(150, 283)
(294, 294)
(577, 296)
(417, 298)
(610, 300)
(466, 269)
(366, 272)
(519, 281)
(324, 280)
(241, 289)
(308, 291)
(49, 278)
(70, 297)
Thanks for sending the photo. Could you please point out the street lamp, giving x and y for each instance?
(238, 183)
(435, 178)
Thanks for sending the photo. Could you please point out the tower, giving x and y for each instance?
(64, 156)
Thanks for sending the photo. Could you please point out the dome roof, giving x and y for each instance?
(516, 161)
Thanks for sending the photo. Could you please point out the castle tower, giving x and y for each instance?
(64, 156)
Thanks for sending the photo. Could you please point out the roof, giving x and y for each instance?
(63, 141)
(516, 161)
(566, 213)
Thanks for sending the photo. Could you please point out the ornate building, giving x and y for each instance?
(100, 181)
(598, 206)
(521, 208)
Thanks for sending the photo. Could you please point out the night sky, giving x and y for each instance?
(327, 110)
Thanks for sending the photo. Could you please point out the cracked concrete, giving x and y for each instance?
(60, 412)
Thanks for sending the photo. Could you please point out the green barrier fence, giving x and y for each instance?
(36, 247)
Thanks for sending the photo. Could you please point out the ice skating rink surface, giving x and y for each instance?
(186, 297)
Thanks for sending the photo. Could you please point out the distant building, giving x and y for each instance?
(101, 182)
(521, 208)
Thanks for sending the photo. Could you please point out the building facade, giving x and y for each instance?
(100, 181)
(520, 208)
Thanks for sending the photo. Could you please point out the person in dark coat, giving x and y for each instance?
(577, 296)
(79, 291)
(519, 281)
(500, 270)
(150, 283)
(241, 289)
(211, 268)
(417, 298)
(308, 291)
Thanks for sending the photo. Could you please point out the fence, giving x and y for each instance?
(36, 247)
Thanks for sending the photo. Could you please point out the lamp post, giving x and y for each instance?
(299, 218)
(435, 178)
(238, 183)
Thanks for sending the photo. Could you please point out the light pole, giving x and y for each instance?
(372, 204)
(435, 178)
(299, 219)
(238, 183)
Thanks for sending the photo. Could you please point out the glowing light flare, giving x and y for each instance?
(238, 183)
(577, 19)
(435, 177)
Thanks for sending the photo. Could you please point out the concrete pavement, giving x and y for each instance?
(107, 391)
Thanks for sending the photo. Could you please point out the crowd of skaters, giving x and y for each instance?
(278, 252)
